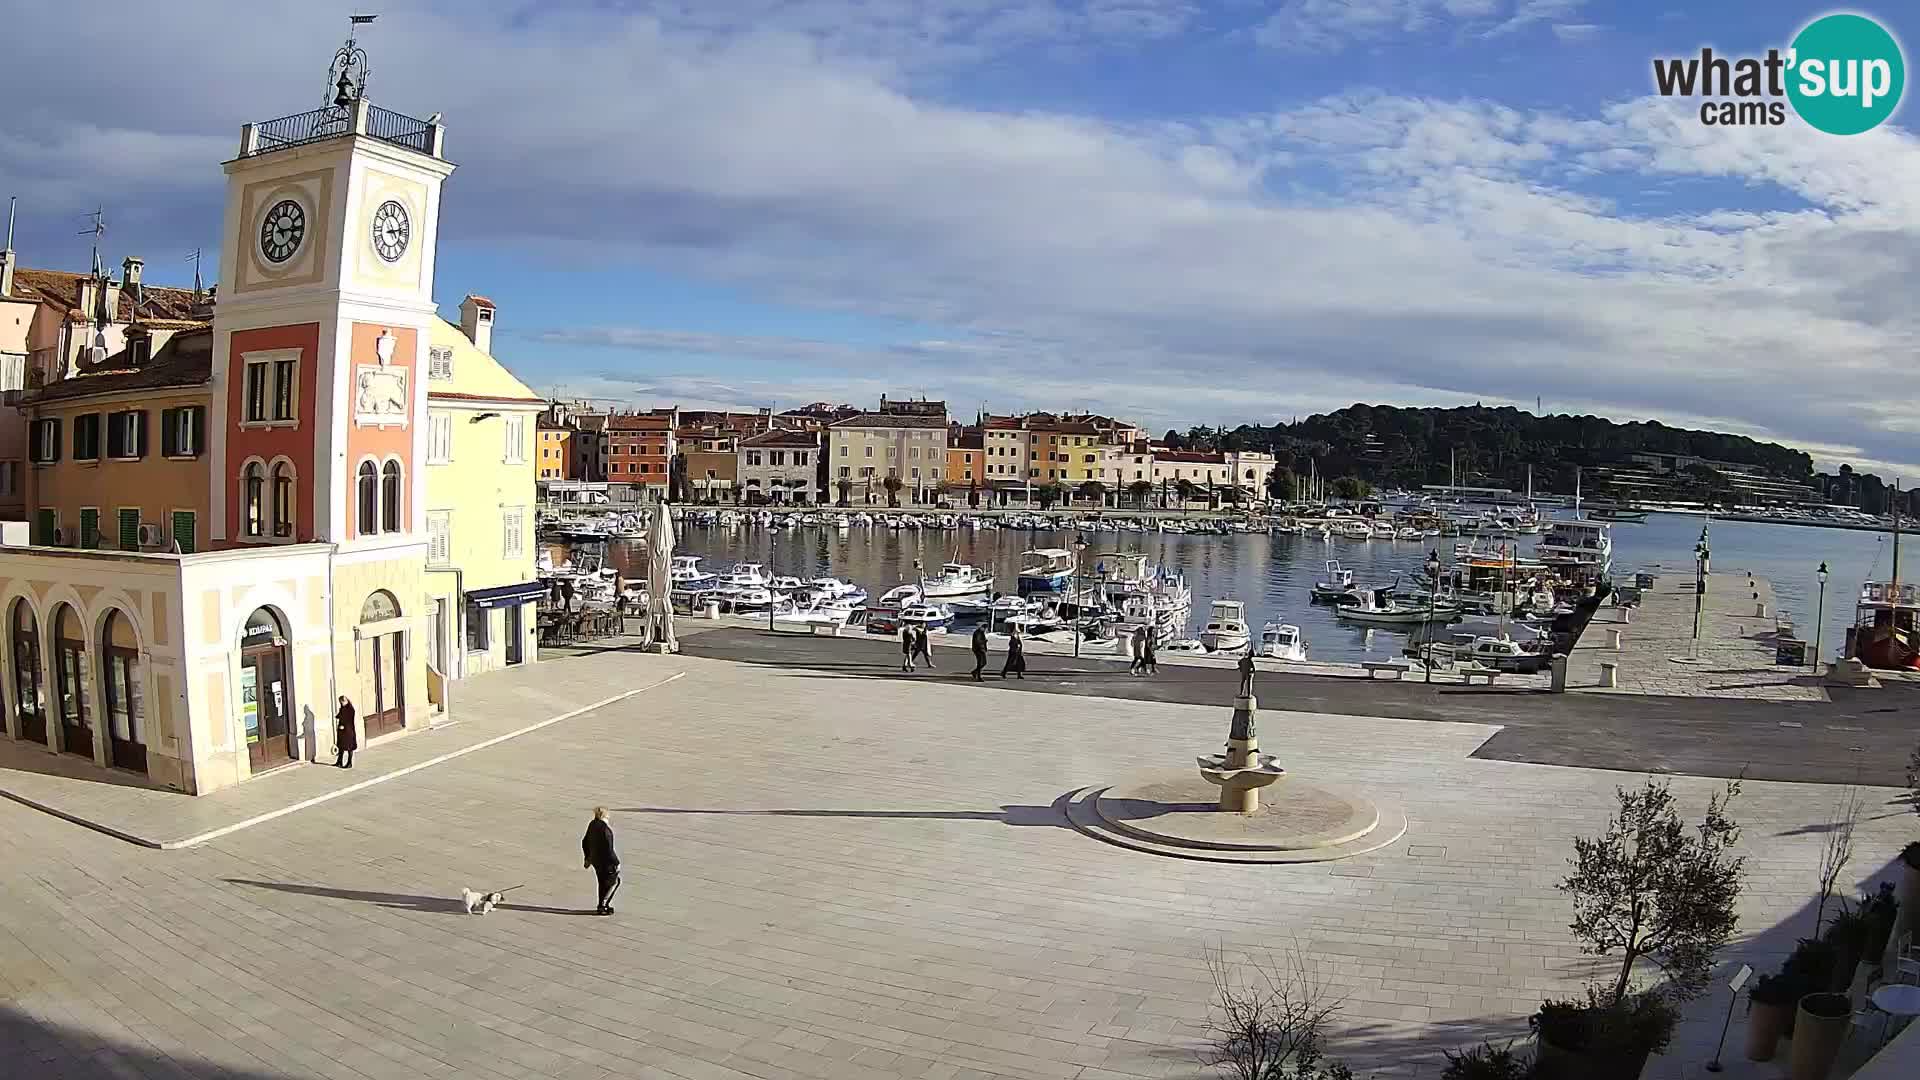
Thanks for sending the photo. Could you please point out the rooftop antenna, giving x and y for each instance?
(12, 202)
(194, 258)
(98, 230)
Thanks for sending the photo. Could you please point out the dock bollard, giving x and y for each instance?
(1559, 668)
(1613, 640)
(1626, 615)
(713, 612)
(1609, 674)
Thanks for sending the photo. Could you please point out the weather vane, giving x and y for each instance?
(347, 75)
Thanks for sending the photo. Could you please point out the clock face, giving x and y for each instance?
(391, 231)
(282, 231)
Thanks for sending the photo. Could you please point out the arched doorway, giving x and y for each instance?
(70, 681)
(29, 680)
(266, 700)
(385, 657)
(120, 676)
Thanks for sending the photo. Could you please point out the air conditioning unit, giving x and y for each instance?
(151, 536)
(62, 538)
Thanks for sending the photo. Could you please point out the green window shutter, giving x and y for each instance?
(89, 528)
(129, 529)
(43, 526)
(183, 523)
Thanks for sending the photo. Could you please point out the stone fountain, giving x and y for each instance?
(1220, 815)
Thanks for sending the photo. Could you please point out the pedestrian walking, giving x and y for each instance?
(597, 845)
(922, 646)
(1139, 665)
(1152, 664)
(979, 653)
(906, 648)
(346, 737)
(1016, 663)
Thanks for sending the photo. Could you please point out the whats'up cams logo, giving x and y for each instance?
(1843, 74)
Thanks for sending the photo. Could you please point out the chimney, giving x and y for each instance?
(130, 269)
(476, 321)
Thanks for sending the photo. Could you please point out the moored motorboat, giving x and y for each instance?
(957, 579)
(1226, 629)
(1376, 609)
(1283, 641)
(1337, 583)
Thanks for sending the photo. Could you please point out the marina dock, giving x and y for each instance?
(1732, 658)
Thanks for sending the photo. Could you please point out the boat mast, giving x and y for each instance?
(1576, 492)
(1896, 543)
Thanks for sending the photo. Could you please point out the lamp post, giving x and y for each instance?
(1820, 614)
(773, 549)
(1433, 587)
(1079, 545)
(1700, 554)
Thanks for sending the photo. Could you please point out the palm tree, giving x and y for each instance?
(1187, 490)
(1140, 489)
(893, 485)
(1048, 494)
(1094, 491)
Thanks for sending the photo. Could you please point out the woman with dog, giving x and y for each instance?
(602, 859)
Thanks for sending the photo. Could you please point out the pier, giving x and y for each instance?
(1657, 653)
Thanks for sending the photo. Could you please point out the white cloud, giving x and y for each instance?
(1365, 246)
(1573, 32)
(1332, 25)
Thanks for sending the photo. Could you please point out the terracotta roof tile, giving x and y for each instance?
(185, 360)
(783, 437)
(886, 420)
(62, 290)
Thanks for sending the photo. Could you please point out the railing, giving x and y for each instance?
(335, 121)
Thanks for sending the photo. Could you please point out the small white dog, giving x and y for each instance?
(478, 902)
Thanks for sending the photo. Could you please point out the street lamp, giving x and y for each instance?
(1433, 588)
(1700, 555)
(773, 549)
(1079, 545)
(1820, 614)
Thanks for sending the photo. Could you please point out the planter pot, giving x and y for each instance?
(1764, 1026)
(1558, 1063)
(1905, 920)
(1819, 1028)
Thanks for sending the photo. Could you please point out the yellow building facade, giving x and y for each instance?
(482, 460)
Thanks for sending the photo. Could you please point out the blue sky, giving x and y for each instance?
(1178, 210)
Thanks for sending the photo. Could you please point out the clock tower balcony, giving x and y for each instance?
(359, 117)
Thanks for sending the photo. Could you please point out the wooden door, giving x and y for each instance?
(389, 687)
(126, 734)
(76, 731)
(26, 688)
(263, 675)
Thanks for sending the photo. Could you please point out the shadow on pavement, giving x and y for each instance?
(1008, 814)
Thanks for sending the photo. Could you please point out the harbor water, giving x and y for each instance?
(1274, 574)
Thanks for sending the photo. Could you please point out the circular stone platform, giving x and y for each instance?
(1175, 812)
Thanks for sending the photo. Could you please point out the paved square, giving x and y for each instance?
(826, 877)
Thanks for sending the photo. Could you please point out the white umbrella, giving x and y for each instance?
(659, 633)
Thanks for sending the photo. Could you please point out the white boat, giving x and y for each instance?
(934, 618)
(1044, 570)
(817, 610)
(1382, 530)
(747, 601)
(835, 589)
(746, 575)
(1585, 547)
(1376, 610)
(1356, 530)
(1008, 606)
(784, 584)
(1283, 641)
(1502, 653)
(685, 573)
(957, 579)
(1226, 629)
(1408, 532)
(900, 596)
(1183, 645)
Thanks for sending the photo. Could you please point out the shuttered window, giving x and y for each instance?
(183, 530)
(129, 528)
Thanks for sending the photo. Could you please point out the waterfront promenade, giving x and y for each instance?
(828, 876)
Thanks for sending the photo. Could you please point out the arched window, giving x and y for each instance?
(369, 484)
(120, 677)
(27, 675)
(283, 499)
(252, 481)
(390, 497)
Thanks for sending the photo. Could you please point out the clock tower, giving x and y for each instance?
(318, 415)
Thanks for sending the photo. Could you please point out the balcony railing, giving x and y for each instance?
(331, 122)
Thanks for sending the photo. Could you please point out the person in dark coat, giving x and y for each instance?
(1139, 665)
(597, 845)
(922, 647)
(979, 653)
(1016, 663)
(1151, 664)
(346, 737)
(906, 648)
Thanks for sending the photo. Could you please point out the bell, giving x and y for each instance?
(344, 95)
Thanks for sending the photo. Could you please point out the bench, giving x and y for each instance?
(1470, 672)
(1374, 667)
(815, 626)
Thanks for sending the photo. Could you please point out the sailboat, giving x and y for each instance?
(1886, 619)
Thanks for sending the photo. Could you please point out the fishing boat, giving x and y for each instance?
(957, 579)
(1044, 570)
(933, 618)
(901, 596)
(685, 573)
(1886, 618)
(1382, 529)
(1226, 629)
(1338, 582)
(1375, 609)
(746, 575)
(1283, 641)
(782, 583)
(1356, 530)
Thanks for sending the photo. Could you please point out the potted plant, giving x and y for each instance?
(1818, 1030)
(1604, 1037)
(1809, 968)
(1770, 1003)
(1486, 1062)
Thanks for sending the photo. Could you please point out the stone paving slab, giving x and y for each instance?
(832, 878)
(1733, 657)
(488, 709)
